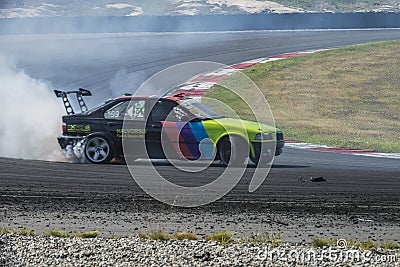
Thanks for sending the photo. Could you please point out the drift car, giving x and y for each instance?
(168, 127)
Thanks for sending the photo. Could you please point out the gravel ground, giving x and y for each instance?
(123, 216)
(19, 250)
(355, 203)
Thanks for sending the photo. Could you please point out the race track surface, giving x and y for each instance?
(360, 197)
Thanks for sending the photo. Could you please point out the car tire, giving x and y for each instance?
(233, 150)
(98, 149)
(265, 162)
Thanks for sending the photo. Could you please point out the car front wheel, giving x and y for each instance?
(98, 150)
(233, 150)
(265, 162)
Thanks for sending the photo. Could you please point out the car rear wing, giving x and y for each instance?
(79, 97)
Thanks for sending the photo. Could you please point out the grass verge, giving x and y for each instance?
(322, 242)
(57, 233)
(185, 236)
(22, 232)
(159, 235)
(263, 239)
(223, 237)
(63, 234)
(88, 234)
(346, 97)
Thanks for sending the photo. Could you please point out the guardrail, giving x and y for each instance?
(200, 23)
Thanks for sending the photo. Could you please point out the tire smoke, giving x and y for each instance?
(30, 115)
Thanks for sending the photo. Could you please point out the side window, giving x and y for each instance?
(135, 110)
(116, 112)
(162, 109)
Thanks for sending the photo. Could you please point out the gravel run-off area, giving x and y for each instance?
(17, 250)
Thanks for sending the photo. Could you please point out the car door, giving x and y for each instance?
(175, 132)
(162, 109)
(126, 120)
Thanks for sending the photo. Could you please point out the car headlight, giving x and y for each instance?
(264, 136)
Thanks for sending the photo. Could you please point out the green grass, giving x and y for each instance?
(143, 236)
(116, 236)
(88, 234)
(22, 232)
(157, 235)
(26, 232)
(263, 239)
(4, 230)
(57, 233)
(322, 242)
(390, 245)
(353, 243)
(223, 237)
(185, 236)
(346, 97)
(368, 245)
(63, 234)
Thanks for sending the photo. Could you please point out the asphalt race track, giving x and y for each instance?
(360, 197)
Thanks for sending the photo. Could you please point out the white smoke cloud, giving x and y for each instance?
(126, 82)
(30, 115)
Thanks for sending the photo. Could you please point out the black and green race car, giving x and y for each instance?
(167, 127)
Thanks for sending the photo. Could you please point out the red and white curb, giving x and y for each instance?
(199, 85)
(357, 152)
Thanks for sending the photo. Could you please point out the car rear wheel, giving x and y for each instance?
(233, 150)
(98, 150)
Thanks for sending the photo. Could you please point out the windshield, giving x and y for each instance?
(199, 110)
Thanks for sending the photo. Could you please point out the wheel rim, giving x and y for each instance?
(225, 152)
(97, 149)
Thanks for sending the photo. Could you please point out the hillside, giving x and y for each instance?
(50, 8)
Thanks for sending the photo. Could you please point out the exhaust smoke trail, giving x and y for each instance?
(30, 116)
(124, 82)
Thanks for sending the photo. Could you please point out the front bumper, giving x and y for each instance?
(265, 148)
(65, 141)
